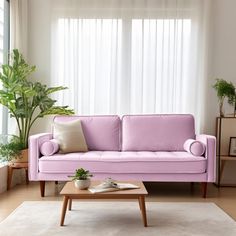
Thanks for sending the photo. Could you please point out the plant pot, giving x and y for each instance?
(22, 158)
(82, 183)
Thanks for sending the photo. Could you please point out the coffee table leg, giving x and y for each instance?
(140, 204)
(63, 213)
(70, 204)
(143, 210)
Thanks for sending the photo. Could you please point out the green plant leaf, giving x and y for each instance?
(27, 100)
(55, 89)
(81, 174)
(225, 89)
(59, 110)
(10, 150)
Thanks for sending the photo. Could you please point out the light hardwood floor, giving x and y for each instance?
(225, 197)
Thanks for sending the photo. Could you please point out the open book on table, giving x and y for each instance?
(107, 186)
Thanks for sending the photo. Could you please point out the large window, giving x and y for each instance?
(1, 51)
(4, 29)
(129, 59)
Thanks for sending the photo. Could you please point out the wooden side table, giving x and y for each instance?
(225, 128)
(16, 166)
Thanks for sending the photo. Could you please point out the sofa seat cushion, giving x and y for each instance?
(124, 162)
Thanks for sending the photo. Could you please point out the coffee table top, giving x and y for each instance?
(70, 190)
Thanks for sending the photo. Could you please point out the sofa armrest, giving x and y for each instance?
(210, 154)
(35, 142)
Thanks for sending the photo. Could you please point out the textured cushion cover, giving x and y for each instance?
(194, 147)
(70, 136)
(124, 162)
(156, 132)
(49, 148)
(102, 133)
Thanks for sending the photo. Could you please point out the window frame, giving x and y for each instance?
(6, 44)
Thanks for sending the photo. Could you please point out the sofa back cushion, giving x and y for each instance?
(156, 132)
(100, 132)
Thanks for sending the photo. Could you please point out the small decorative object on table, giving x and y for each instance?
(109, 185)
(82, 178)
(232, 146)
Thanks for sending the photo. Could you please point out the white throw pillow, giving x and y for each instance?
(70, 136)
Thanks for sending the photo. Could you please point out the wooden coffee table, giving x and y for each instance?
(70, 192)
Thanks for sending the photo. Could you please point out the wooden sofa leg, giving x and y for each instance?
(42, 188)
(204, 189)
(56, 182)
(192, 187)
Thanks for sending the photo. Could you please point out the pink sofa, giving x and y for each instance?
(136, 147)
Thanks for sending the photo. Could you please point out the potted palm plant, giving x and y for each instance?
(82, 178)
(26, 100)
(224, 90)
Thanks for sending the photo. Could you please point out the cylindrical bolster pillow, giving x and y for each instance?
(194, 147)
(50, 147)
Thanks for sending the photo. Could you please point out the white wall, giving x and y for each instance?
(223, 56)
(224, 39)
(39, 49)
(222, 51)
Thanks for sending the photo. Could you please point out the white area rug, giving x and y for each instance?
(118, 218)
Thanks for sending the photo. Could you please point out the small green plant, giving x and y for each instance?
(224, 90)
(81, 174)
(10, 149)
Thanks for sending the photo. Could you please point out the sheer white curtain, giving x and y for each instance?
(130, 57)
(18, 39)
(19, 25)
